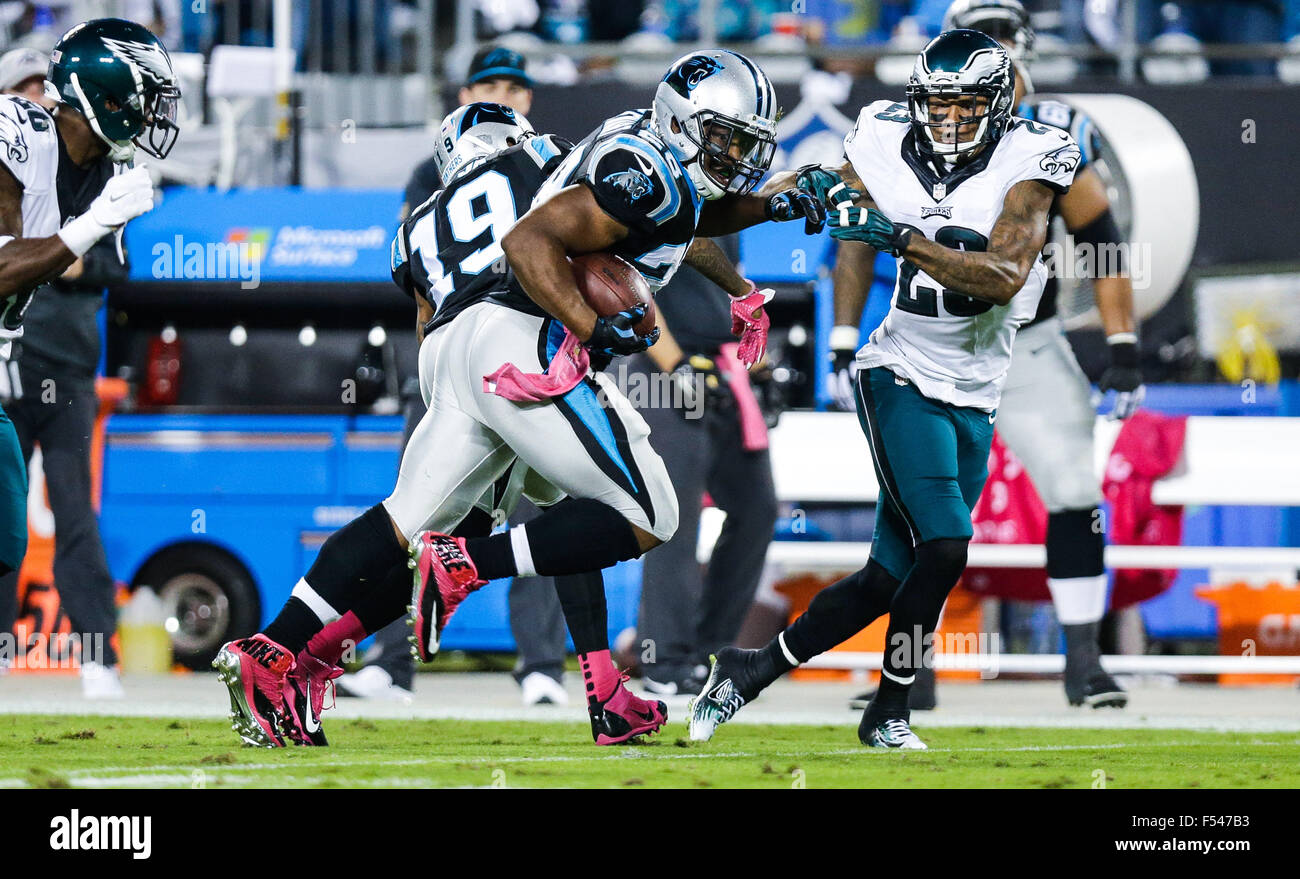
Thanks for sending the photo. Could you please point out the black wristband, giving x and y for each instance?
(1124, 354)
(902, 238)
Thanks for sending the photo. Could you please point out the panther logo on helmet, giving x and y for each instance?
(686, 76)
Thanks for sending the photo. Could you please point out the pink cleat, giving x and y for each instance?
(624, 716)
(255, 670)
(444, 576)
(304, 697)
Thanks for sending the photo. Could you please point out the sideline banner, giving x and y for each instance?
(265, 235)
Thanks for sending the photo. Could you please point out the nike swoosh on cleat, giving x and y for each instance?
(309, 721)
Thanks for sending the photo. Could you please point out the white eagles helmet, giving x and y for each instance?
(709, 105)
(1004, 20)
(955, 64)
(473, 132)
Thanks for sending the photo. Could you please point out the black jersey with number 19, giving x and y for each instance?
(449, 249)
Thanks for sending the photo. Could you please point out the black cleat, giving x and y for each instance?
(1098, 690)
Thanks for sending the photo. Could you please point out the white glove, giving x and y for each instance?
(125, 197)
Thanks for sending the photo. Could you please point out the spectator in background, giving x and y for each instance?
(496, 75)
(53, 400)
(1227, 21)
(715, 442)
(22, 73)
(536, 619)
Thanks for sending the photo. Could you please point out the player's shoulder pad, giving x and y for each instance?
(875, 120)
(398, 259)
(1061, 115)
(1041, 152)
(23, 129)
(637, 181)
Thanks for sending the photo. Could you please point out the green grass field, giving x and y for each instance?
(72, 751)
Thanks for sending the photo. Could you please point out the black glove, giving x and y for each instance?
(697, 385)
(615, 336)
(1124, 377)
(771, 394)
(795, 203)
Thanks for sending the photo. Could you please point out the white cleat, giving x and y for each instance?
(542, 689)
(720, 698)
(372, 682)
(893, 732)
(100, 681)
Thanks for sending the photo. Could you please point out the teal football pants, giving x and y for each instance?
(931, 460)
(13, 498)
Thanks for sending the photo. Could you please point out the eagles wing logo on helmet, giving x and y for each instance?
(148, 59)
(690, 73)
(12, 137)
(1064, 158)
(631, 181)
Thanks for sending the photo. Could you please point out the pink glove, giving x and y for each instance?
(751, 330)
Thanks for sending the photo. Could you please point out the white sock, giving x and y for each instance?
(1078, 600)
(522, 552)
(317, 605)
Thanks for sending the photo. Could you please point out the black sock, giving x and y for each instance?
(765, 665)
(913, 616)
(293, 627)
(582, 597)
(353, 560)
(841, 610)
(573, 537)
(1081, 639)
(386, 600)
(890, 699)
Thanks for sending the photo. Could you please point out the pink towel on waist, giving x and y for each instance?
(568, 367)
(753, 429)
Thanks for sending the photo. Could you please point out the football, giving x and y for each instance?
(610, 284)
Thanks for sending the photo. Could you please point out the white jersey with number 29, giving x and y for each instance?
(954, 348)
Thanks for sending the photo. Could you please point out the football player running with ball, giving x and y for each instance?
(961, 191)
(505, 371)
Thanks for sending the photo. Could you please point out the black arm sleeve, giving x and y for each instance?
(1104, 237)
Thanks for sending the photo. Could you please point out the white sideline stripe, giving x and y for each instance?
(1130, 719)
(102, 777)
(834, 555)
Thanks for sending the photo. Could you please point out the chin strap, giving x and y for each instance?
(118, 151)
